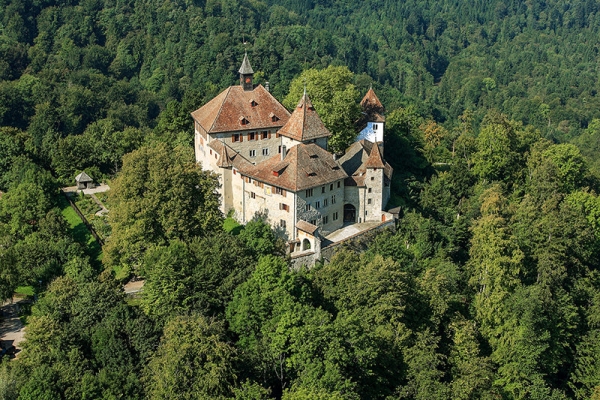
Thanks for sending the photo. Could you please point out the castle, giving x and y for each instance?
(276, 164)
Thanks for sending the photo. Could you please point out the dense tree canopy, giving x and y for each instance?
(488, 288)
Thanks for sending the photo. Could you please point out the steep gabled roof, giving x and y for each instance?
(304, 166)
(227, 111)
(304, 123)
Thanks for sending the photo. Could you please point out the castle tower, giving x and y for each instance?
(372, 122)
(246, 74)
(304, 126)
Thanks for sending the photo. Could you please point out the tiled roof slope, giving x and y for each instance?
(371, 102)
(305, 166)
(372, 110)
(304, 124)
(375, 160)
(224, 112)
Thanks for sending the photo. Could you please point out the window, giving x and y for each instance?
(333, 199)
(234, 171)
(279, 150)
(317, 204)
(265, 151)
(252, 153)
(331, 187)
(211, 152)
(284, 207)
(280, 191)
(325, 202)
(252, 195)
(369, 201)
(339, 182)
(307, 207)
(244, 121)
(326, 219)
(372, 178)
(366, 212)
(252, 136)
(369, 190)
(322, 189)
(374, 126)
(335, 216)
(253, 103)
(313, 221)
(282, 223)
(309, 192)
(274, 118)
(235, 137)
(264, 135)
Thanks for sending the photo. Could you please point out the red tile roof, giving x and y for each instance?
(225, 112)
(304, 124)
(375, 160)
(305, 166)
(371, 101)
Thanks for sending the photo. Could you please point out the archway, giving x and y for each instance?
(306, 244)
(349, 213)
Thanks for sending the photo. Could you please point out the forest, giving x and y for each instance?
(489, 288)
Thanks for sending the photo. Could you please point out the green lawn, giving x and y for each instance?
(230, 225)
(79, 231)
(25, 291)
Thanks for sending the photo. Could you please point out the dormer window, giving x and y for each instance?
(244, 121)
(253, 103)
(274, 118)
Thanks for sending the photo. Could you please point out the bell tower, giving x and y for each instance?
(246, 74)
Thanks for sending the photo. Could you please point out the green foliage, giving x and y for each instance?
(192, 361)
(160, 195)
(335, 99)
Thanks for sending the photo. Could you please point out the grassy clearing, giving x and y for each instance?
(79, 231)
(25, 291)
(230, 225)
(121, 272)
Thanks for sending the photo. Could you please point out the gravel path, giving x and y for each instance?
(12, 329)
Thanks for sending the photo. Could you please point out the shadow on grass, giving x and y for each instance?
(80, 232)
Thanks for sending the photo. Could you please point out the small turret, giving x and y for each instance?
(246, 74)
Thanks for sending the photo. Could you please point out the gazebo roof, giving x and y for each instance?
(83, 177)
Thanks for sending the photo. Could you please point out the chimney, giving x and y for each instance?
(267, 87)
(283, 151)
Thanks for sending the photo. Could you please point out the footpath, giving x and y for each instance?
(12, 330)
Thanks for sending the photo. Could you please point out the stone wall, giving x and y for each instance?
(374, 184)
(360, 241)
(335, 204)
(245, 145)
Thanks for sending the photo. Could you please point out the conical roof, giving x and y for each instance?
(304, 123)
(371, 102)
(246, 69)
(375, 160)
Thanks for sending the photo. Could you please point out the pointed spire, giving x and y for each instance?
(371, 101)
(246, 69)
(375, 160)
(304, 123)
